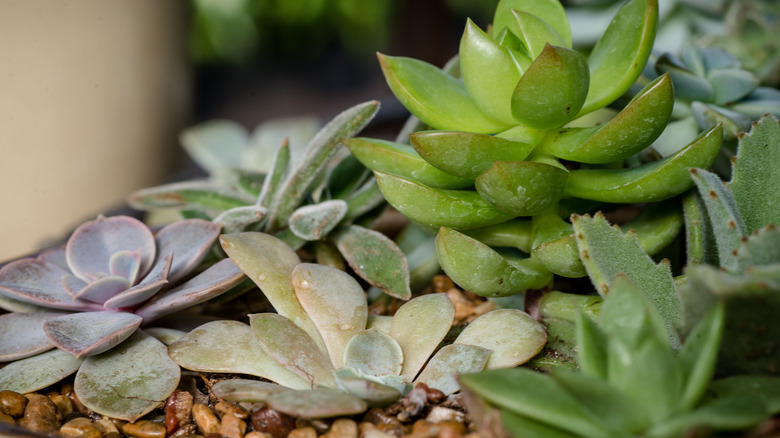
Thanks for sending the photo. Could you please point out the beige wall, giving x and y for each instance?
(92, 96)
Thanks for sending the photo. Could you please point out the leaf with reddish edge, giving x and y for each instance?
(55, 256)
(37, 282)
(90, 333)
(125, 264)
(102, 289)
(38, 372)
(91, 246)
(419, 326)
(150, 285)
(216, 280)
(189, 241)
(441, 371)
(22, 335)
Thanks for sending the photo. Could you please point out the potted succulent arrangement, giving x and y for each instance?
(271, 305)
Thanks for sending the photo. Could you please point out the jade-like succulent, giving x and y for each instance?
(89, 298)
(523, 139)
(317, 195)
(322, 336)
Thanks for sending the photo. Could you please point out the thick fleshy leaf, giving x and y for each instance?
(239, 218)
(688, 85)
(57, 256)
(335, 302)
(767, 388)
(621, 53)
(550, 11)
(512, 336)
(649, 182)
(269, 262)
(189, 241)
(479, 269)
(230, 347)
(515, 234)
(442, 370)
(292, 347)
(419, 326)
(460, 209)
(400, 159)
(22, 335)
(466, 154)
(320, 403)
(435, 97)
(699, 355)
(39, 371)
(12, 305)
(125, 264)
(193, 195)
(130, 381)
(102, 289)
(488, 73)
(165, 335)
(630, 131)
(535, 33)
(245, 390)
(315, 221)
(376, 259)
(36, 282)
(555, 247)
(279, 168)
(216, 145)
(91, 246)
(522, 188)
(150, 285)
(375, 394)
(731, 84)
(657, 225)
(552, 90)
(383, 323)
(374, 353)
(90, 333)
(214, 281)
(736, 412)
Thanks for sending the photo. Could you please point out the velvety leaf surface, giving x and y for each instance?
(230, 347)
(374, 353)
(315, 221)
(39, 283)
(194, 195)
(522, 188)
(38, 372)
(128, 381)
(335, 302)
(189, 241)
(245, 390)
(320, 403)
(22, 335)
(90, 333)
(442, 370)
(512, 336)
(419, 326)
(376, 259)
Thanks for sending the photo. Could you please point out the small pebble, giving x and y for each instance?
(80, 428)
(224, 408)
(12, 403)
(273, 422)
(232, 427)
(67, 390)
(40, 415)
(306, 432)
(439, 414)
(178, 410)
(432, 395)
(205, 418)
(369, 430)
(342, 428)
(7, 419)
(64, 404)
(257, 434)
(144, 429)
(105, 426)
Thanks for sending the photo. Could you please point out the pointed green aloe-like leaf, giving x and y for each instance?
(130, 380)
(460, 209)
(649, 182)
(400, 159)
(522, 188)
(725, 220)
(735, 412)
(269, 262)
(467, 154)
(293, 348)
(39, 371)
(335, 302)
(245, 390)
(315, 221)
(297, 183)
(535, 33)
(511, 334)
(550, 11)
(317, 403)
(192, 195)
(555, 247)
(442, 370)
(488, 73)
(552, 90)
(479, 269)
(755, 181)
(592, 345)
(767, 388)
(699, 355)
(607, 252)
(437, 98)
(374, 353)
(22, 335)
(418, 326)
(206, 349)
(628, 317)
(376, 259)
(630, 131)
(534, 395)
(518, 425)
(621, 53)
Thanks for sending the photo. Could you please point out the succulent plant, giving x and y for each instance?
(89, 298)
(524, 139)
(317, 196)
(322, 337)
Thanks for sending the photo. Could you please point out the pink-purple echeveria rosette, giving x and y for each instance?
(113, 276)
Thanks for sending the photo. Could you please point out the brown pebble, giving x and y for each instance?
(80, 428)
(379, 417)
(257, 434)
(232, 427)
(306, 432)
(342, 428)
(432, 395)
(67, 390)
(178, 411)
(64, 404)
(144, 429)
(105, 426)
(273, 422)
(442, 283)
(112, 435)
(369, 430)
(205, 418)
(7, 419)
(12, 403)
(224, 408)
(40, 415)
